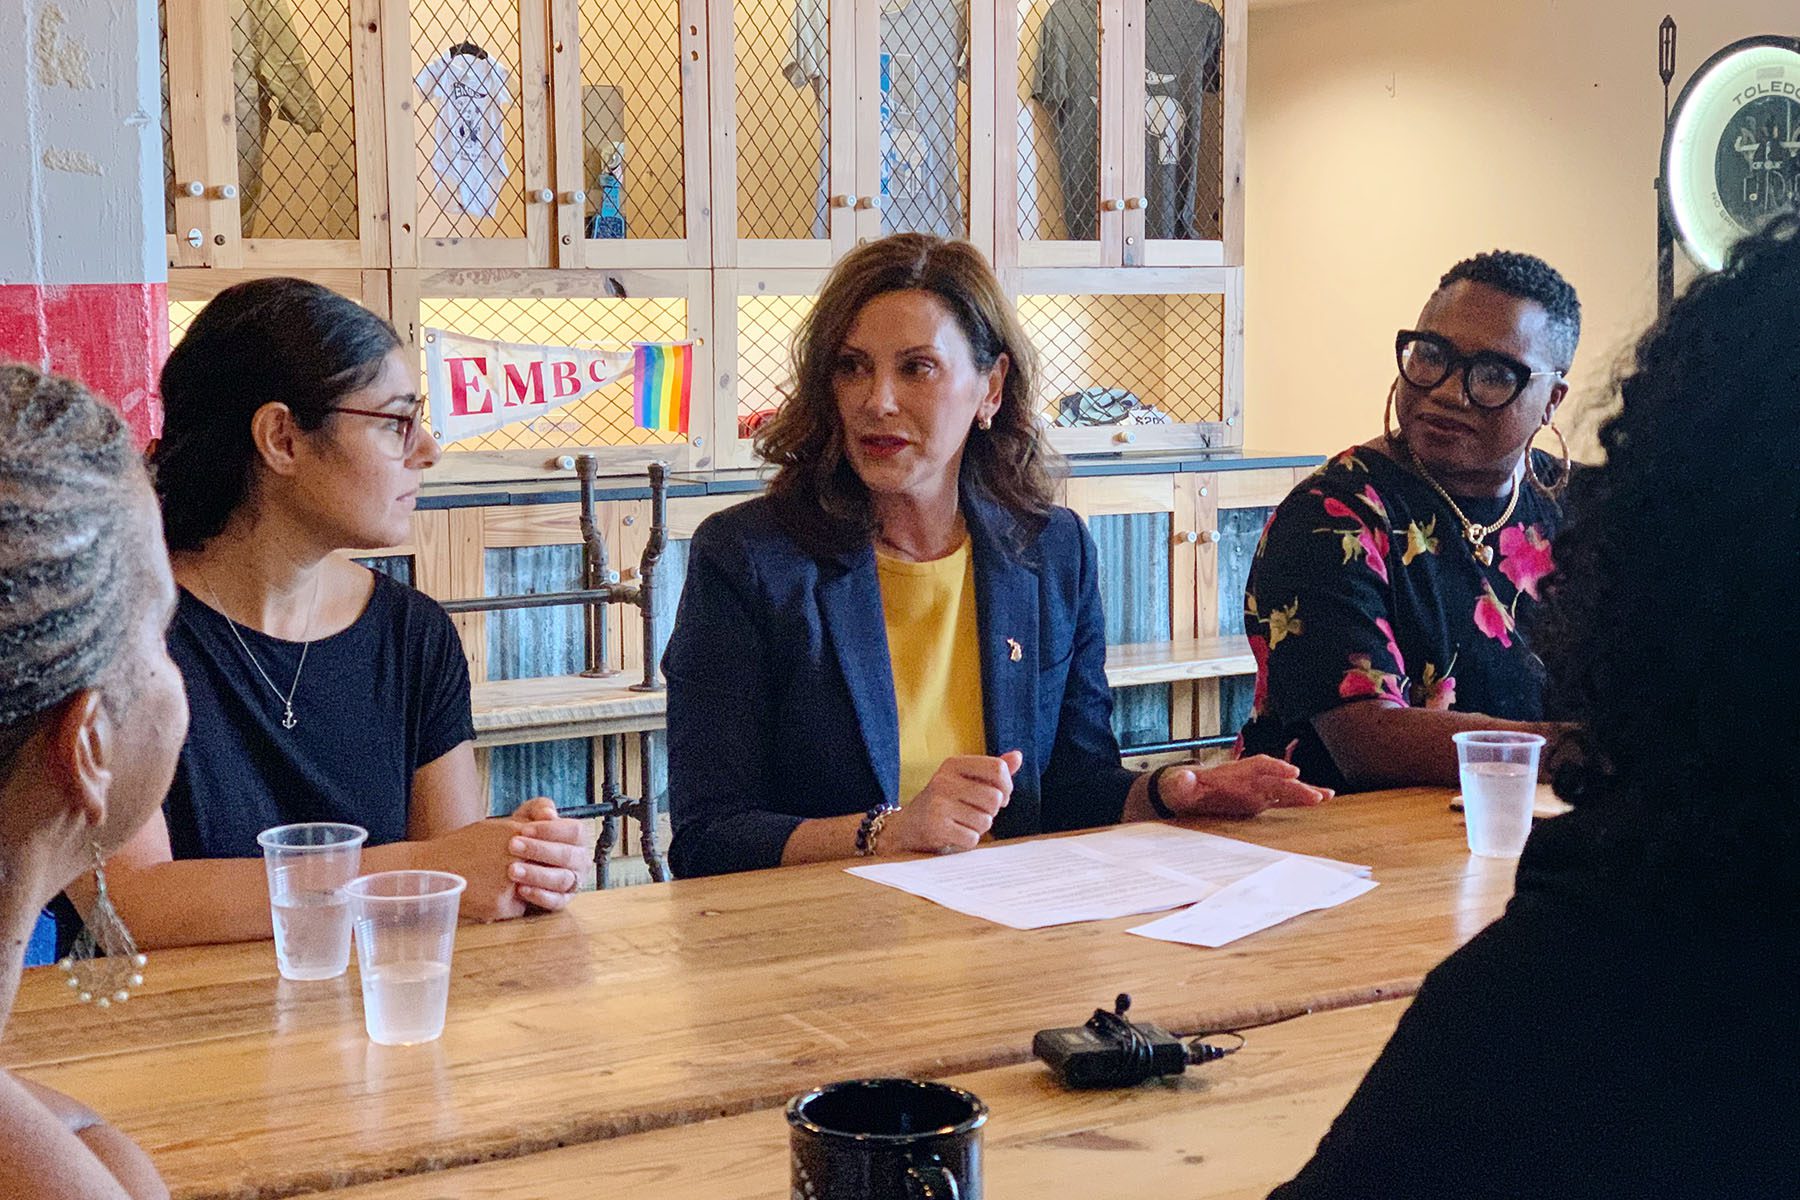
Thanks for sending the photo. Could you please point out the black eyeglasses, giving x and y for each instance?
(407, 425)
(1490, 379)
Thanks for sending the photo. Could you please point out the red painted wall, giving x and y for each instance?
(112, 337)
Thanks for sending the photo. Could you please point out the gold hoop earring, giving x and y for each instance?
(1554, 489)
(984, 423)
(1387, 416)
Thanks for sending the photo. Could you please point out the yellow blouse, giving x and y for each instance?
(929, 610)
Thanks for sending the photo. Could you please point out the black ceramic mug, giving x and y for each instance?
(886, 1139)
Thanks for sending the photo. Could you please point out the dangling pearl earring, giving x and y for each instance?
(103, 964)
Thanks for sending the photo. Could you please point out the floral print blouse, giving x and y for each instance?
(1364, 585)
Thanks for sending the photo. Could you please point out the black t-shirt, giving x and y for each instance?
(1619, 1033)
(374, 704)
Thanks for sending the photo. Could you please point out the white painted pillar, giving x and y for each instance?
(83, 268)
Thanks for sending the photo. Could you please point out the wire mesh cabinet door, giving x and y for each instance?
(756, 316)
(601, 310)
(1150, 359)
(1062, 202)
(468, 108)
(202, 211)
(629, 82)
(783, 93)
(1182, 147)
(192, 289)
(924, 119)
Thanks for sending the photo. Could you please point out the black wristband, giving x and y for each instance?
(1155, 793)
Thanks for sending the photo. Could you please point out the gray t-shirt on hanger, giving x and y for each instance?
(1181, 45)
(924, 59)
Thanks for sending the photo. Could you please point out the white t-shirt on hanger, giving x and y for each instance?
(470, 94)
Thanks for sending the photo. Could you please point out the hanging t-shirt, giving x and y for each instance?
(271, 78)
(469, 157)
(374, 703)
(924, 57)
(1181, 42)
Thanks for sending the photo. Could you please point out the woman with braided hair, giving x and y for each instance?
(91, 717)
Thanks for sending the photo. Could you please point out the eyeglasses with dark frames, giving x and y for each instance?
(1491, 380)
(407, 425)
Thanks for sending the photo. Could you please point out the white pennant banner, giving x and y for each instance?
(478, 386)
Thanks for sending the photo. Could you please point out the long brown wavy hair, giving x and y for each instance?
(822, 500)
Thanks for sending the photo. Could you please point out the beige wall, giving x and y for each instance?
(1538, 124)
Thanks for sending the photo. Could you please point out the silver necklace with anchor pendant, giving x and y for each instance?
(288, 720)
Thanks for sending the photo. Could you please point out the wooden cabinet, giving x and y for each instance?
(468, 111)
(1174, 551)
(274, 138)
(576, 308)
(1123, 124)
(629, 91)
(837, 121)
(1163, 345)
(692, 169)
(190, 290)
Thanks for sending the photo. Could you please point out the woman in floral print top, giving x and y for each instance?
(1392, 590)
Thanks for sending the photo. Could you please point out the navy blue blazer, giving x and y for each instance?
(781, 691)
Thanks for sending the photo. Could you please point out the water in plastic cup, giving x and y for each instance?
(1499, 782)
(405, 930)
(308, 866)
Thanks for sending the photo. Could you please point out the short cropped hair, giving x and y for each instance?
(1527, 277)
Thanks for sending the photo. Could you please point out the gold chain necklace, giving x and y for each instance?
(1475, 534)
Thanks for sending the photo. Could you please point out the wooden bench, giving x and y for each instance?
(555, 707)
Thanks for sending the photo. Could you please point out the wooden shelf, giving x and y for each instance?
(1186, 658)
(557, 707)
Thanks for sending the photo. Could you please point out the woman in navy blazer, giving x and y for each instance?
(909, 428)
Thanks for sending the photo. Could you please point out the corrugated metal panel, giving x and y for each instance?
(526, 643)
(1239, 531)
(547, 641)
(1135, 590)
(394, 566)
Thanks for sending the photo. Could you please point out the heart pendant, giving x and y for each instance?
(1485, 553)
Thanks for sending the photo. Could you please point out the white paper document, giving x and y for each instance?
(1119, 872)
(1269, 896)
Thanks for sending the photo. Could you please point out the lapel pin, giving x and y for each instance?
(1014, 650)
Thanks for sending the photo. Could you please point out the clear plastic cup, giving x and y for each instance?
(1499, 782)
(405, 930)
(308, 866)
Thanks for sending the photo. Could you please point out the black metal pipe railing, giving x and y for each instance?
(595, 573)
(1213, 742)
(598, 587)
(600, 595)
(653, 552)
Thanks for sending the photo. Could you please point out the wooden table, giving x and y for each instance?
(1230, 1130)
(658, 1006)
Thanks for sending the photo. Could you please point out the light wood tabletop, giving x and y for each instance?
(662, 1005)
(1229, 1130)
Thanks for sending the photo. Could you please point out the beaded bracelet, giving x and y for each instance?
(870, 830)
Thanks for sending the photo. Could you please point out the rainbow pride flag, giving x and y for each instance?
(662, 386)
